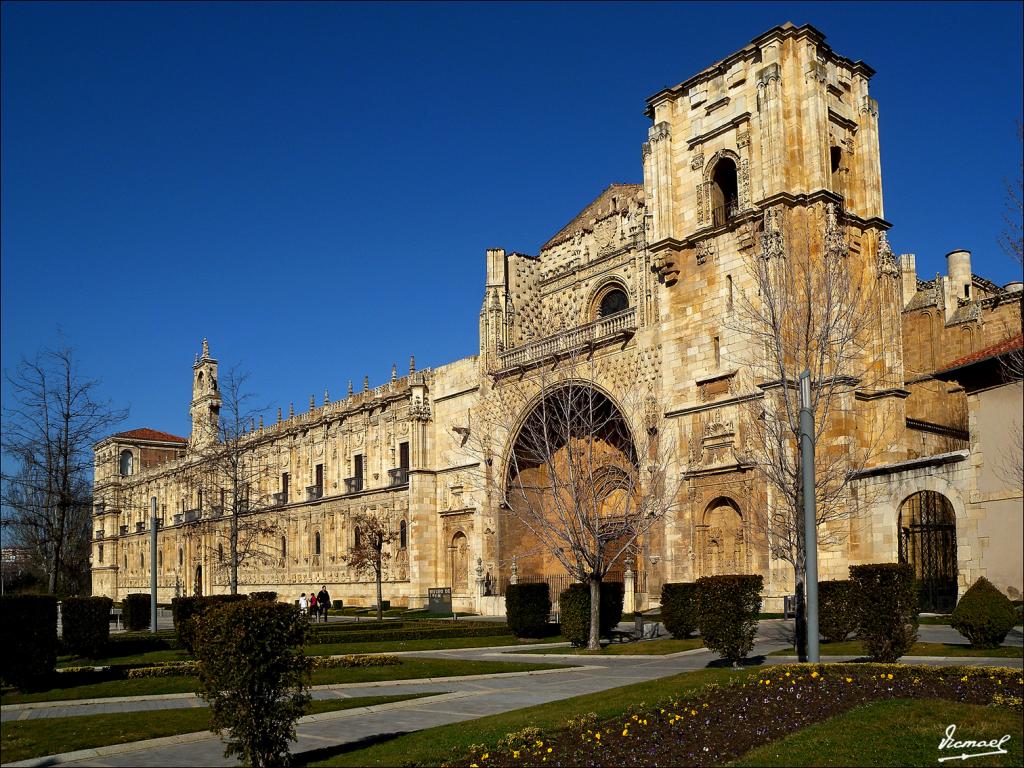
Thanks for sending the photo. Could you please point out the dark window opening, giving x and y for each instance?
(284, 547)
(403, 535)
(220, 553)
(724, 192)
(284, 487)
(100, 552)
(319, 483)
(613, 302)
(316, 543)
(403, 455)
(836, 165)
(357, 537)
(125, 466)
(181, 557)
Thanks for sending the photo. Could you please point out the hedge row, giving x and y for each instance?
(679, 608)
(28, 651)
(574, 609)
(727, 611)
(351, 661)
(269, 596)
(372, 636)
(86, 625)
(886, 598)
(837, 610)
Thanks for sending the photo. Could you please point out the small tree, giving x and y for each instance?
(369, 553)
(727, 611)
(254, 675)
(886, 595)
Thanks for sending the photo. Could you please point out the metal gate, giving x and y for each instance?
(928, 542)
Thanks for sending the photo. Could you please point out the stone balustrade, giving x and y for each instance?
(592, 334)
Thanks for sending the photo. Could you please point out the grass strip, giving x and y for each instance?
(52, 735)
(642, 648)
(855, 648)
(407, 669)
(435, 746)
(866, 736)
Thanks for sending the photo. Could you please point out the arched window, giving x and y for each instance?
(160, 559)
(613, 302)
(220, 553)
(142, 561)
(100, 552)
(181, 557)
(125, 464)
(316, 543)
(357, 538)
(724, 192)
(403, 535)
(284, 547)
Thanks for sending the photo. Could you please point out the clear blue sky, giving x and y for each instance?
(313, 187)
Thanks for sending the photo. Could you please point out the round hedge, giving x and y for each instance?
(886, 596)
(984, 615)
(837, 610)
(727, 611)
(574, 608)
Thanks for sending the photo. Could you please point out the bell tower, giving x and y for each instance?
(205, 408)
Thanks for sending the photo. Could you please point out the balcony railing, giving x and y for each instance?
(124, 530)
(723, 214)
(353, 484)
(280, 499)
(314, 492)
(177, 519)
(140, 527)
(191, 515)
(398, 476)
(99, 533)
(592, 334)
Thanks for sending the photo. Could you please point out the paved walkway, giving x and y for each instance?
(465, 699)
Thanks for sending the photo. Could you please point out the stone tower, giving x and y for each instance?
(205, 408)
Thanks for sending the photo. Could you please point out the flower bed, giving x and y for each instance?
(721, 723)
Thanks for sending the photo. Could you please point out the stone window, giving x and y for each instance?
(613, 302)
(284, 547)
(100, 552)
(220, 553)
(356, 537)
(181, 557)
(160, 559)
(403, 535)
(724, 192)
(316, 543)
(125, 463)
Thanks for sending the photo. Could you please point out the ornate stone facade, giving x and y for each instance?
(779, 137)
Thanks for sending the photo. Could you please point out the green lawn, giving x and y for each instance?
(150, 657)
(408, 668)
(390, 646)
(855, 648)
(434, 746)
(866, 736)
(643, 648)
(48, 736)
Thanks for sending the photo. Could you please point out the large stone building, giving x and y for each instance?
(771, 150)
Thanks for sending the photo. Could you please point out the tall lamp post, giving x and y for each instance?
(810, 516)
(152, 564)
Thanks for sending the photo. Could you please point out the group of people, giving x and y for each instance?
(316, 605)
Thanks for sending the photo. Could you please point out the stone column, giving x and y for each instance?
(629, 598)
(479, 584)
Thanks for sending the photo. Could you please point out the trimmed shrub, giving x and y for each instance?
(727, 610)
(679, 608)
(135, 611)
(29, 650)
(86, 625)
(185, 609)
(837, 610)
(527, 607)
(337, 604)
(353, 661)
(574, 608)
(886, 598)
(170, 669)
(255, 677)
(984, 615)
(364, 634)
(268, 596)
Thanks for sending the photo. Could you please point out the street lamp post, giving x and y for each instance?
(152, 565)
(810, 516)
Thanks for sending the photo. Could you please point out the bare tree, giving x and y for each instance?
(48, 435)
(586, 477)
(370, 550)
(802, 310)
(227, 472)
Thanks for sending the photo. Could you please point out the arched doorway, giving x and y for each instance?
(721, 539)
(571, 479)
(197, 589)
(927, 529)
(458, 563)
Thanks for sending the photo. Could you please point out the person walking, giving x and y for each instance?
(313, 612)
(303, 604)
(323, 600)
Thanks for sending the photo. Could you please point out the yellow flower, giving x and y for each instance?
(625, 732)
(473, 765)
(889, 676)
(849, 679)
(814, 673)
(549, 749)
(645, 721)
(693, 712)
(882, 676)
(485, 755)
(705, 706)
(597, 735)
(963, 679)
(515, 753)
(787, 674)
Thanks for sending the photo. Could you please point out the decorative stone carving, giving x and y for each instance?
(743, 139)
(744, 184)
(772, 246)
(701, 217)
(705, 250)
(697, 161)
(886, 259)
(835, 234)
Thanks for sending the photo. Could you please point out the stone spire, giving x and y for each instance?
(412, 364)
(394, 372)
(327, 396)
(312, 402)
(366, 383)
(279, 414)
(350, 387)
(291, 410)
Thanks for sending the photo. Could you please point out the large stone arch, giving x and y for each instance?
(530, 477)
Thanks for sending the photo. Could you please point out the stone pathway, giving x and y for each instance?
(464, 699)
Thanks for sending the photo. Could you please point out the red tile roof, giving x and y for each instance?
(1004, 346)
(152, 434)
